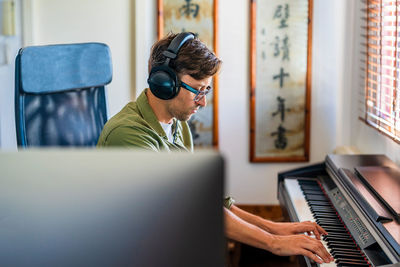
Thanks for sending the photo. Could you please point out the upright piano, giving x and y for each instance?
(356, 199)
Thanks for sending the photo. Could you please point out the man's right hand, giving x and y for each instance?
(300, 245)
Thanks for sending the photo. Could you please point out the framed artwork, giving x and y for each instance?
(199, 17)
(280, 80)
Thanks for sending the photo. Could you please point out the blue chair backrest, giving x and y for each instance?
(60, 97)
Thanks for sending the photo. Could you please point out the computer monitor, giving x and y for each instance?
(111, 208)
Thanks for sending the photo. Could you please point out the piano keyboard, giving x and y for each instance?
(311, 204)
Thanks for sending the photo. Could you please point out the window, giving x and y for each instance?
(381, 93)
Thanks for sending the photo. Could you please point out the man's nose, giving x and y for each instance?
(202, 102)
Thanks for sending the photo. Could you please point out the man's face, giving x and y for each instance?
(183, 105)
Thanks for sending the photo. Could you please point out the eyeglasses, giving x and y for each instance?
(199, 94)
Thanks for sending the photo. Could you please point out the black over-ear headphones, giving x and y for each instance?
(163, 81)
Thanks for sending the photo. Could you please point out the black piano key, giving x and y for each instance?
(355, 253)
(355, 250)
(323, 224)
(343, 241)
(339, 241)
(335, 220)
(345, 250)
(358, 258)
(338, 235)
(313, 192)
(330, 231)
(307, 181)
(348, 256)
(338, 245)
(317, 211)
(325, 216)
(328, 224)
(323, 213)
(316, 206)
(315, 197)
(316, 189)
(333, 242)
(335, 229)
(310, 187)
(323, 208)
(335, 239)
(351, 263)
(327, 219)
(319, 203)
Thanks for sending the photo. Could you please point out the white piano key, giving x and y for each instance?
(298, 200)
(327, 264)
(302, 209)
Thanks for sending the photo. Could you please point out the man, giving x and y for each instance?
(181, 69)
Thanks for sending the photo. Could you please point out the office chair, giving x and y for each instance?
(60, 95)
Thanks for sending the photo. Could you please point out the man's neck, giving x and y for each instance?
(159, 108)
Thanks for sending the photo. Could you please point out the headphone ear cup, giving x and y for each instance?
(163, 82)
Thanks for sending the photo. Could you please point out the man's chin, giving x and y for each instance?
(184, 117)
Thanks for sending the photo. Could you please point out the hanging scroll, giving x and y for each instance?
(280, 67)
(199, 17)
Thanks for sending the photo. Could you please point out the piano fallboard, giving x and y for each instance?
(330, 194)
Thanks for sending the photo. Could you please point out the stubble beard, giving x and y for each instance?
(180, 114)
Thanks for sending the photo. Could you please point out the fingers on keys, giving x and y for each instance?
(316, 251)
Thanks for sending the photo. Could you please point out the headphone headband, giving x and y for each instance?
(176, 44)
(163, 81)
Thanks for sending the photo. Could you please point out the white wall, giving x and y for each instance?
(145, 35)
(75, 21)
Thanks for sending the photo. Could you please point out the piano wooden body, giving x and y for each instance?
(356, 199)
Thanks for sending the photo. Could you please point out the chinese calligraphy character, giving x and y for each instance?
(281, 76)
(277, 50)
(284, 48)
(189, 8)
(283, 17)
(281, 108)
(281, 141)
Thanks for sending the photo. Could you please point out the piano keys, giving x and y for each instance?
(332, 194)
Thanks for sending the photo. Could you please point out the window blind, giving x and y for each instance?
(381, 106)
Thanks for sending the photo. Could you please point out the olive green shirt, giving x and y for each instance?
(137, 126)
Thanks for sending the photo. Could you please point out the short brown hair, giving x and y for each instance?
(194, 58)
